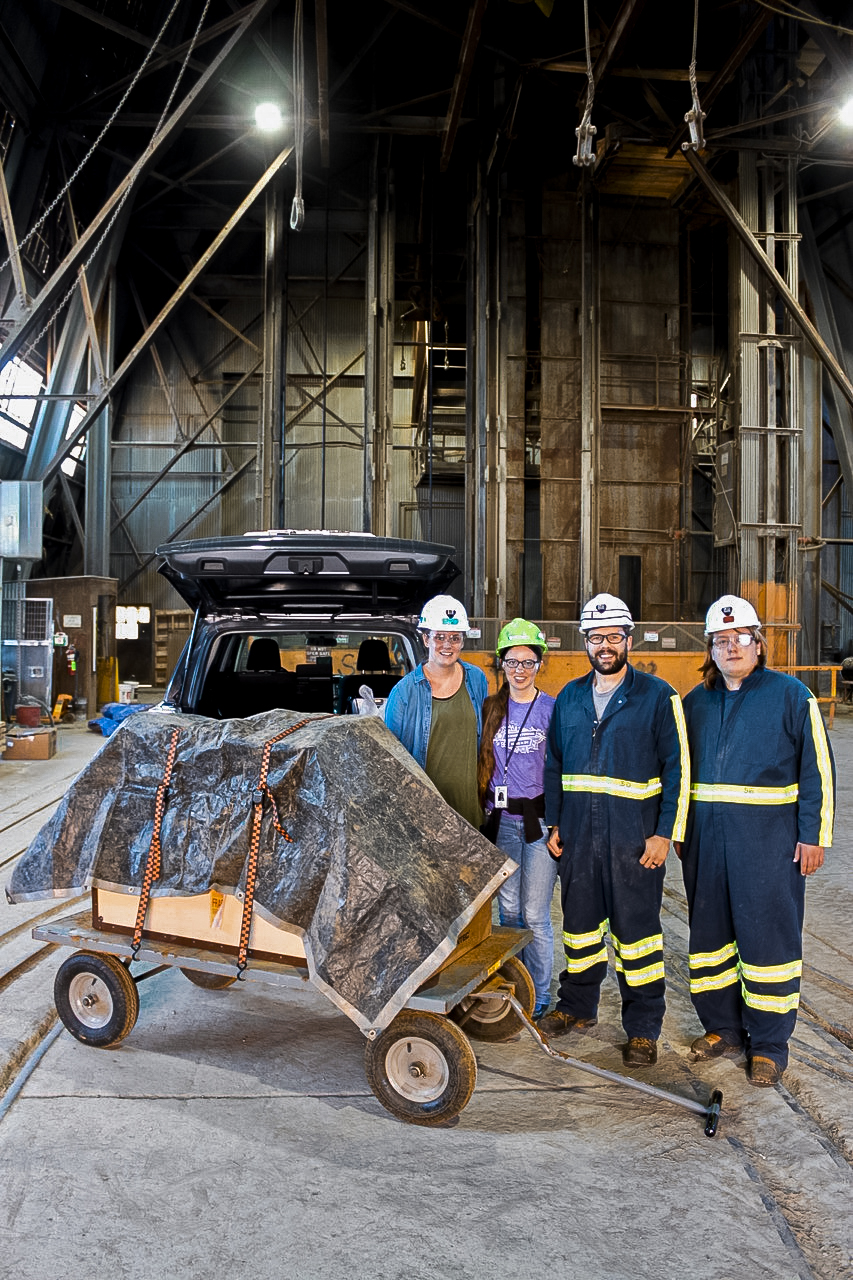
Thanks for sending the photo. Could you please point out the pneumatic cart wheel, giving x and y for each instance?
(210, 981)
(96, 998)
(421, 1068)
(495, 1019)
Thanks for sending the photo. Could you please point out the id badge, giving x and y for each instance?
(500, 797)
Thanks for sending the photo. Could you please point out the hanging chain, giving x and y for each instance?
(297, 212)
(586, 130)
(60, 306)
(87, 157)
(694, 117)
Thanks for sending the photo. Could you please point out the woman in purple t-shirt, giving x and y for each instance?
(510, 771)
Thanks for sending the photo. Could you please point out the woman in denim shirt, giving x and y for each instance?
(436, 710)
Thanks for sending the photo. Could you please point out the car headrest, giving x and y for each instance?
(373, 655)
(264, 655)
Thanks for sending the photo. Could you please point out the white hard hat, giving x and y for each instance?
(442, 613)
(605, 611)
(730, 611)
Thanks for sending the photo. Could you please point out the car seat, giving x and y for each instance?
(374, 668)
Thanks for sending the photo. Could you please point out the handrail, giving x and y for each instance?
(833, 674)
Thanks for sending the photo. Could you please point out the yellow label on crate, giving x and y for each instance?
(216, 903)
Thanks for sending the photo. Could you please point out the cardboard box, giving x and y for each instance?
(30, 744)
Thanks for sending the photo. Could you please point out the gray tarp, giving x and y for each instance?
(379, 881)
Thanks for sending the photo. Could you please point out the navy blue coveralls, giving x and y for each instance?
(609, 785)
(763, 780)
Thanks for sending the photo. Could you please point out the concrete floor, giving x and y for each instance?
(233, 1133)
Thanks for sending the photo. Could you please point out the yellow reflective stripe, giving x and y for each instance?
(824, 768)
(577, 941)
(633, 950)
(715, 982)
(585, 962)
(707, 959)
(772, 972)
(639, 977)
(591, 782)
(770, 1004)
(729, 793)
(680, 824)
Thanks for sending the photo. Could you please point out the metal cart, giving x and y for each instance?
(421, 1066)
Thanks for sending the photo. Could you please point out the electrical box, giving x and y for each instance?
(725, 495)
(21, 507)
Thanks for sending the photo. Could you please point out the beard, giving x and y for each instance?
(611, 665)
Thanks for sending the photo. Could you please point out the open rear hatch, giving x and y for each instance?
(284, 570)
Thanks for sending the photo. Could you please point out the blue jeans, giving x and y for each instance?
(524, 900)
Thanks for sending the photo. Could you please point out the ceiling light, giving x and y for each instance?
(845, 115)
(268, 117)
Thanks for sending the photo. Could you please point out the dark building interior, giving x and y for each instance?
(564, 285)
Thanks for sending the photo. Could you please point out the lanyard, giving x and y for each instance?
(510, 754)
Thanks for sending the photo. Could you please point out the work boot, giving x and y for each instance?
(711, 1045)
(763, 1072)
(640, 1052)
(559, 1023)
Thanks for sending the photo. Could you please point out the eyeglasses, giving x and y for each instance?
(443, 637)
(732, 642)
(614, 638)
(528, 663)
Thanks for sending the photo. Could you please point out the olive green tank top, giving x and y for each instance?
(451, 760)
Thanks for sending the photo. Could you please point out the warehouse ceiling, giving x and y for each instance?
(129, 138)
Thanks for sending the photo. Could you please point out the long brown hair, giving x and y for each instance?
(495, 708)
(709, 668)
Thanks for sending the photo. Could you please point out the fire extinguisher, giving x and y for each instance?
(71, 660)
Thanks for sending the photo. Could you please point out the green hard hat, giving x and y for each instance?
(520, 631)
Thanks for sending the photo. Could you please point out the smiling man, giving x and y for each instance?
(617, 780)
(761, 815)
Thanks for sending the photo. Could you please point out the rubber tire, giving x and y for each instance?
(452, 1052)
(115, 990)
(498, 1023)
(210, 981)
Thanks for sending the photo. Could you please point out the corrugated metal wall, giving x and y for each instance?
(641, 384)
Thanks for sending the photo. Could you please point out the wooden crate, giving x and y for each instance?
(210, 920)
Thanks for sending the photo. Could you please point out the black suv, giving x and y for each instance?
(298, 620)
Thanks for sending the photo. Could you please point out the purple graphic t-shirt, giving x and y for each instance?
(525, 748)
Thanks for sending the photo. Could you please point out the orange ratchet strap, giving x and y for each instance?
(152, 866)
(254, 846)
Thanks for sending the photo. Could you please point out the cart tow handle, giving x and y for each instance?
(710, 1112)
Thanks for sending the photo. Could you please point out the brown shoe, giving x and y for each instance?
(763, 1072)
(713, 1046)
(559, 1023)
(639, 1052)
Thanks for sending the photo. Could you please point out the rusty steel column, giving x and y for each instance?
(590, 319)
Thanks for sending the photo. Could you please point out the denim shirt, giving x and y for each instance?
(408, 712)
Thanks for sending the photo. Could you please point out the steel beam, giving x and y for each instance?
(188, 444)
(270, 423)
(590, 319)
(176, 299)
(619, 31)
(470, 40)
(831, 364)
(156, 64)
(371, 343)
(842, 406)
(322, 42)
(12, 241)
(25, 324)
(727, 71)
(176, 533)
